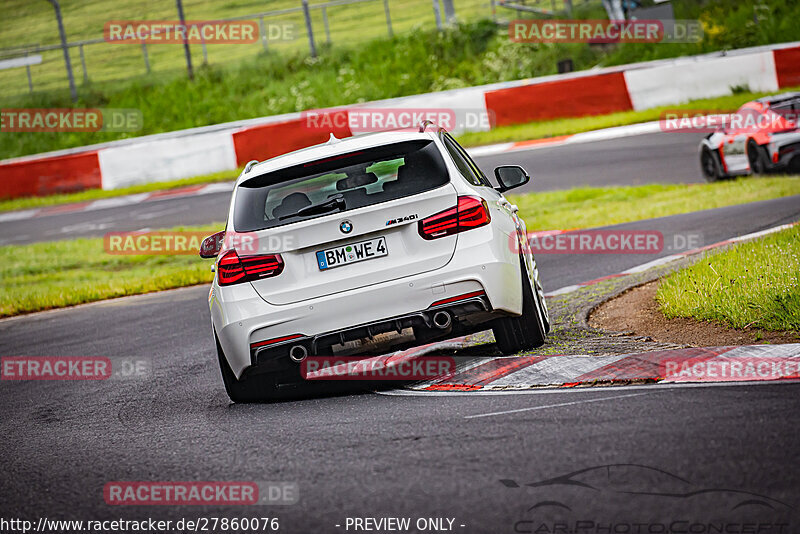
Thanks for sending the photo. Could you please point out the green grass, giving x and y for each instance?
(754, 284)
(49, 275)
(56, 274)
(362, 65)
(586, 207)
(96, 194)
(34, 23)
(568, 126)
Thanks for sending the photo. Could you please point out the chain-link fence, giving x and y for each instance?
(331, 23)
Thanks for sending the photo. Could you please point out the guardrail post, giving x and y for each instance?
(28, 71)
(72, 91)
(389, 17)
(185, 41)
(146, 56)
(450, 11)
(83, 65)
(325, 23)
(309, 29)
(263, 31)
(437, 14)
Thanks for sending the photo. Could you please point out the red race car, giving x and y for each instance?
(763, 136)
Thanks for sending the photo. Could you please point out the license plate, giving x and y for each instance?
(352, 253)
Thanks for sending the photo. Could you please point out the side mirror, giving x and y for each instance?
(211, 245)
(510, 176)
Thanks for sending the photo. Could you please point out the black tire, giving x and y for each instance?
(528, 331)
(709, 165)
(256, 388)
(794, 165)
(756, 157)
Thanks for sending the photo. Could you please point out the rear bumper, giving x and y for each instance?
(481, 263)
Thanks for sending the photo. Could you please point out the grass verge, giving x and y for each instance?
(754, 284)
(57, 274)
(49, 275)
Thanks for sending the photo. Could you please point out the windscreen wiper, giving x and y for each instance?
(335, 203)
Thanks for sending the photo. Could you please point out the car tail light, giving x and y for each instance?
(233, 269)
(469, 213)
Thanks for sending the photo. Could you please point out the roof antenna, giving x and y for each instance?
(333, 139)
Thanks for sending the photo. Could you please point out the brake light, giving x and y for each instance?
(469, 213)
(233, 269)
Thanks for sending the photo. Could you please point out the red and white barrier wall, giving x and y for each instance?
(227, 146)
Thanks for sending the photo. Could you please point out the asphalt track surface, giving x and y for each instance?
(641, 159)
(360, 454)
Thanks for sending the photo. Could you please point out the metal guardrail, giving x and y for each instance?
(305, 8)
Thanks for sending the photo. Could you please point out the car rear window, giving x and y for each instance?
(359, 179)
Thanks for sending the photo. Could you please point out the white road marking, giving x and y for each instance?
(654, 263)
(562, 291)
(532, 408)
(83, 227)
(17, 215)
(489, 150)
(16, 238)
(115, 202)
(146, 215)
(221, 187)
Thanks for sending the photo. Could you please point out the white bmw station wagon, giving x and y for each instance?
(367, 245)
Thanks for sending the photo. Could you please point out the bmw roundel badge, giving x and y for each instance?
(346, 227)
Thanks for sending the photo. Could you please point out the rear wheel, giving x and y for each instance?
(710, 166)
(757, 157)
(256, 388)
(528, 331)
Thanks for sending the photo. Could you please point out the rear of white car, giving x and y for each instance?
(365, 244)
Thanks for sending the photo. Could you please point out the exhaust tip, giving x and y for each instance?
(442, 320)
(298, 353)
